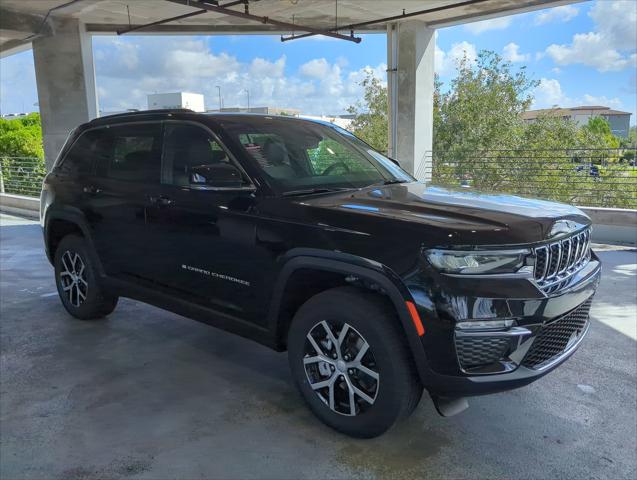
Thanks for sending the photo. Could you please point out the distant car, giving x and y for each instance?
(300, 236)
(593, 170)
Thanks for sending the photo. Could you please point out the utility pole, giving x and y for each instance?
(248, 92)
(219, 93)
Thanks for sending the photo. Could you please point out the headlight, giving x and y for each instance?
(476, 262)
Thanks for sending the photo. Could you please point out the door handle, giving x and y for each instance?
(160, 200)
(92, 189)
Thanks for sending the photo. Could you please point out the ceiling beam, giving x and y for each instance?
(265, 20)
(393, 18)
(25, 23)
(135, 28)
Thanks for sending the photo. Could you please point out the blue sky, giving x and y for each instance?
(582, 54)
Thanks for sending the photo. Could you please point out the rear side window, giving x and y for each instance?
(81, 156)
(131, 153)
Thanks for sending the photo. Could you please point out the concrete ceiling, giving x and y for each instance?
(21, 20)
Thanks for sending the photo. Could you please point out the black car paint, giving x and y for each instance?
(225, 257)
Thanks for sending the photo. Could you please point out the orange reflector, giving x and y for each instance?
(415, 318)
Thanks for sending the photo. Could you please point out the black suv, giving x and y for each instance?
(298, 235)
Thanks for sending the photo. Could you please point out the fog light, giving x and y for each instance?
(485, 324)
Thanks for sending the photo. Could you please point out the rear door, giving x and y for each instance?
(127, 179)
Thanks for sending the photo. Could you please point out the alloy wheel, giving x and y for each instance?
(73, 278)
(341, 368)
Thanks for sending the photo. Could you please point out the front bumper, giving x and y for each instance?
(522, 353)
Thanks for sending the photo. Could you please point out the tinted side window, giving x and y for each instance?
(132, 153)
(81, 156)
(192, 157)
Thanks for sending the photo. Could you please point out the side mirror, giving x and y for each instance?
(217, 175)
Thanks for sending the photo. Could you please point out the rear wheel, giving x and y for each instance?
(78, 284)
(351, 363)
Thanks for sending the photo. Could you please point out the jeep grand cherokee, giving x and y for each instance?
(298, 235)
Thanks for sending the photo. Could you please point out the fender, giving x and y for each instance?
(76, 216)
(347, 264)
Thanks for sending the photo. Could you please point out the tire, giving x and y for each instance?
(78, 284)
(386, 374)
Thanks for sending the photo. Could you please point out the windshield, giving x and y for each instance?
(300, 156)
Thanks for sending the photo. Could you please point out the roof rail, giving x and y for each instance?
(146, 112)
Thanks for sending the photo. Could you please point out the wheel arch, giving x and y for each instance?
(373, 274)
(61, 222)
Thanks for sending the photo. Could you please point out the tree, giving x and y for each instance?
(483, 106)
(21, 137)
(21, 154)
(598, 130)
(481, 140)
(370, 123)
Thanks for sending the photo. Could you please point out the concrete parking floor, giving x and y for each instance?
(147, 394)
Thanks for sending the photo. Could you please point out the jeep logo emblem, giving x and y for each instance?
(564, 227)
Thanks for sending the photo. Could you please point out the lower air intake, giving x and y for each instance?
(557, 336)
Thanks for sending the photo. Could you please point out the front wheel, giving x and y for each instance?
(350, 361)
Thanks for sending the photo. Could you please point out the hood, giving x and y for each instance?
(458, 217)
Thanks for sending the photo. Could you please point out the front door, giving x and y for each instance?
(204, 236)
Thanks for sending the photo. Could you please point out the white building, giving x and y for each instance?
(343, 121)
(192, 101)
(618, 121)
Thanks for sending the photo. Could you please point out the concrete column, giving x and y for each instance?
(65, 77)
(410, 60)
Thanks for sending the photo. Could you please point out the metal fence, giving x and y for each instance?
(22, 175)
(585, 177)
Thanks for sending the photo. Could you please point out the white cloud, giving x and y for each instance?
(445, 62)
(613, 44)
(557, 14)
(499, 23)
(591, 49)
(165, 64)
(549, 94)
(616, 21)
(513, 55)
(317, 68)
(602, 100)
(17, 84)
(263, 67)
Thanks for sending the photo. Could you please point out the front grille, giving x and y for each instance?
(555, 337)
(557, 261)
(474, 351)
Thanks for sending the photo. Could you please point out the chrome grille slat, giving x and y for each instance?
(571, 255)
(564, 257)
(554, 259)
(555, 262)
(578, 249)
(582, 243)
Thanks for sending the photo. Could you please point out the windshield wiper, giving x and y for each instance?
(385, 182)
(310, 191)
